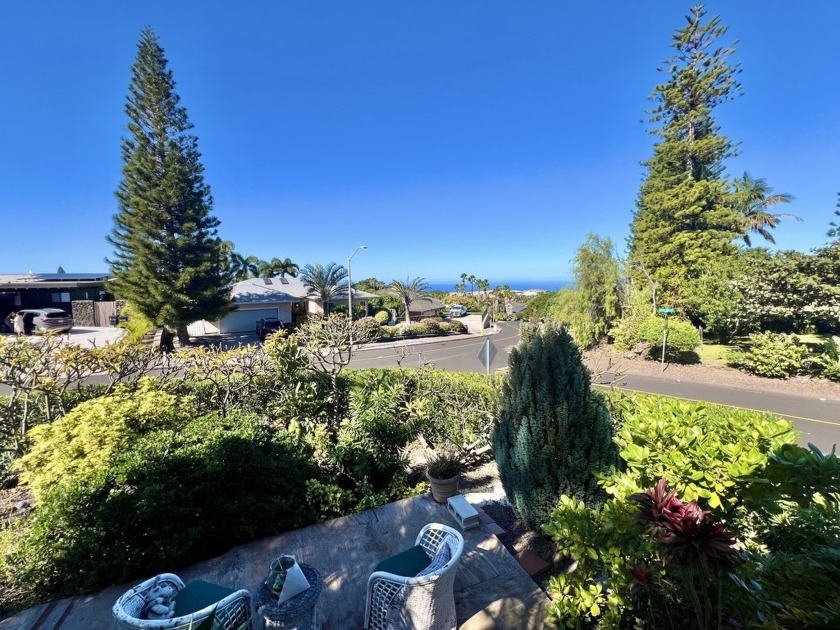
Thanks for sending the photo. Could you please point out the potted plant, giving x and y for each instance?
(443, 473)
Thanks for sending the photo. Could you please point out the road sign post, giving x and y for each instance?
(666, 312)
(486, 354)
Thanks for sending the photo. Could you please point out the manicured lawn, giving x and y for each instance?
(713, 353)
(814, 339)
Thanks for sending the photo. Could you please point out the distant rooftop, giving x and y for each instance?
(21, 281)
(260, 290)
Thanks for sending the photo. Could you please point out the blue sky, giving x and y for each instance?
(480, 137)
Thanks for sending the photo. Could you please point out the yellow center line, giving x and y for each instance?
(785, 415)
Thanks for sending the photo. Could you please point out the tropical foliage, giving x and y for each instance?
(753, 199)
(325, 283)
(407, 292)
(710, 507)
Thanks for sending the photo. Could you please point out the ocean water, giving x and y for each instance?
(516, 285)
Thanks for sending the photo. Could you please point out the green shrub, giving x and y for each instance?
(826, 363)
(832, 372)
(389, 331)
(171, 498)
(81, 443)
(382, 421)
(137, 324)
(420, 330)
(459, 409)
(432, 324)
(682, 338)
(554, 433)
(626, 332)
(703, 451)
(452, 410)
(382, 317)
(770, 354)
(368, 328)
(803, 572)
(457, 326)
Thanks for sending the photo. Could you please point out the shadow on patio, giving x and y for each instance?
(491, 589)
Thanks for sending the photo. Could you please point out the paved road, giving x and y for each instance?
(454, 354)
(817, 420)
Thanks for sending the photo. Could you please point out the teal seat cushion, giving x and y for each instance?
(407, 564)
(197, 595)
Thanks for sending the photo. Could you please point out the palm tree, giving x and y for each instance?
(324, 283)
(286, 266)
(371, 284)
(408, 291)
(276, 267)
(753, 199)
(266, 269)
(240, 267)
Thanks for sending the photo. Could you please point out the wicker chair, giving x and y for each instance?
(423, 602)
(231, 612)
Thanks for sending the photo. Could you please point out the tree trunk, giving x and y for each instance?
(182, 337)
(407, 315)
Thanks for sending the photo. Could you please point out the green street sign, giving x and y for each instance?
(667, 310)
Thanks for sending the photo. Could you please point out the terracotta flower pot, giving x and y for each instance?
(442, 489)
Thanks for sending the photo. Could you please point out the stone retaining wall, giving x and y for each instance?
(84, 312)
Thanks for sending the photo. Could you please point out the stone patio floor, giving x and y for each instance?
(491, 588)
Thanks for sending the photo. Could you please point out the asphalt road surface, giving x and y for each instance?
(818, 420)
(454, 354)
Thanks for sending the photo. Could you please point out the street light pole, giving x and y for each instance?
(350, 283)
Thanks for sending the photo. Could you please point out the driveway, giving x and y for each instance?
(227, 341)
(86, 337)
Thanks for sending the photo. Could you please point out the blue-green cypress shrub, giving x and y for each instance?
(553, 431)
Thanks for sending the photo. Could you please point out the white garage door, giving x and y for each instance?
(244, 320)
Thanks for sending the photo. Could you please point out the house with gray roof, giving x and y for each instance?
(283, 298)
(425, 307)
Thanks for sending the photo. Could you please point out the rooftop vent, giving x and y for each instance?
(284, 281)
(267, 280)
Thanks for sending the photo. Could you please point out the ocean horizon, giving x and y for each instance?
(515, 285)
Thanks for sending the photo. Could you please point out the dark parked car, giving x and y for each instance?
(43, 320)
(268, 325)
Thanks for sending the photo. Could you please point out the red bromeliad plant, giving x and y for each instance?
(693, 543)
(687, 533)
